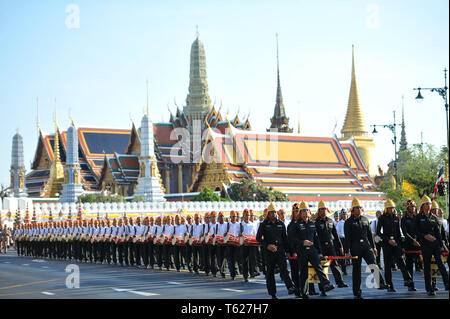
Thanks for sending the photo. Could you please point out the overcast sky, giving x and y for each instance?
(94, 57)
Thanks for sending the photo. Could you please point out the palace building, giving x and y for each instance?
(121, 161)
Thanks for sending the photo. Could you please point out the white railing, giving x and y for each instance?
(162, 208)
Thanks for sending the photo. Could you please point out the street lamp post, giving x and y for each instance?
(442, 91)
(393, 128)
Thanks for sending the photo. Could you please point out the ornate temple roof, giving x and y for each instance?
(296, 165)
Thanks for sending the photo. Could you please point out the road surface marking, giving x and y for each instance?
(263, 282)
(25, 264)
(45, 267)
(38, 261)
(141, 293)
(174, 283)
(234, 290)
(47, 293)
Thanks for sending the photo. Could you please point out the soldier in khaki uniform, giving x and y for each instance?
(5, 234)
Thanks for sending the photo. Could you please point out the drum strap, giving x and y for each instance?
(241, 229)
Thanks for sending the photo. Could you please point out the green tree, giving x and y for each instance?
(418, 168)
(99, 198)
(248, 190)
(208, 195)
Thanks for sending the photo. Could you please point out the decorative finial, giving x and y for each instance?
(148, 113)
(71, 118)
(37, 112)
(196, 32)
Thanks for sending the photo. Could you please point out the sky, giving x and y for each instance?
(93, 57)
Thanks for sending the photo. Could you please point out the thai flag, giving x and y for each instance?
(441, 178)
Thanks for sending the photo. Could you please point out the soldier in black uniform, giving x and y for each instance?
(293, 262)
(272, 237)
(411, 244)
(305, 242)
(328, 238)
(392, 244)
(429, 237)
(359, 241)
(436, 211)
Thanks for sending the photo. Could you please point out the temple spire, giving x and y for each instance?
(403, 142)
(198, 102)
(148, 113)
(354, 123)
(279, 121)
(56, 146)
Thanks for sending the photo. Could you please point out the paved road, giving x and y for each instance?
(26, 277)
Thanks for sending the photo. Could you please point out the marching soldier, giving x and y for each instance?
(272, 237)
(95, 245)
(429, 237)
(305, 242)
(178, 253)
(4, 237)
(211, 253)
(151, 249)
(196, 231)
(248, 253)
(112, 244)
(138, 247)
(131, 245)
(108, 240)
(328, 237)
(261, 251)
(159, 229)
(293, 262)
(168, 231)
(204, 256)
(409, 230)
(359, 242)
(189, 247)
(144, 243)
(101, 243)
(121, 244)
(436, 211)
(340, 231)
(234, 229)
(221, 250)
(392, 244)
(373, 227)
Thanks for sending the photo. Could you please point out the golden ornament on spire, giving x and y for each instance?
(354, 123)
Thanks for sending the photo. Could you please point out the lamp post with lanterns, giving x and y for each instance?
(442, 91)
(393, 128)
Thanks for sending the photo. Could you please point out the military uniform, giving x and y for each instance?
(427, 224)
(360, 243)
(392, 253)
(221, 250)
(409, 230)
(274, 233)
(211, 250)
(248, 253)
(301, 231)
(328, 237)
